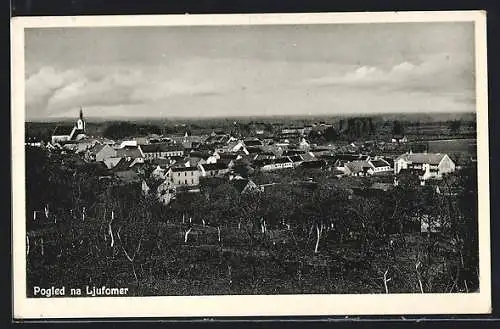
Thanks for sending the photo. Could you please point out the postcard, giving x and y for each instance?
(328, 164)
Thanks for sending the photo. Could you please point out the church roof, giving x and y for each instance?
(62, 130)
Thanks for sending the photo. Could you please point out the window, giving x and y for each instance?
(185, 181)
(192, 181)
(185, 173)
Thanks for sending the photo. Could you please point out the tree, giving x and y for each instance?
(397, 128)
(455, 126)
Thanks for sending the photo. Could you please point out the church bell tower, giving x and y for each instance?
(80, 124)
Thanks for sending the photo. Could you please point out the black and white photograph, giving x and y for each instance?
(250, 165)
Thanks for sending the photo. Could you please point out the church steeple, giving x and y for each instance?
(80, 124)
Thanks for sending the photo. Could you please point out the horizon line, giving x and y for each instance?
(191, 118)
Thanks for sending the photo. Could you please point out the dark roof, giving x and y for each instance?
(62, 131)
(313, 164)
(230, 156)
(97, 148)
(295, 158)
(253, 149)
(214, 166)
(253, 143)
(239, 184)
(159, 147)
(129, 151)
(182, 169)
(123, 165)
(293, 152)
(200, 154)
(281, 160)
(380, 163)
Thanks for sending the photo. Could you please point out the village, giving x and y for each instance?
(174, 164)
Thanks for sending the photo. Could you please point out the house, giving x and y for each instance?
(160, 151)
(64, 134)
(399, 139)
(159, 173)
(34, 141)
(184, 176)
(276, 164)
(193, 161)
(226, 158)
(357, 168)
(254, 142)
(100, 152)
(296, 160)
(130, 152)
(380, 166)
(234, 147)
(292, 130)
(128, 143)
(111, 162)
(313, 164)
(213, 169)
(429, 165)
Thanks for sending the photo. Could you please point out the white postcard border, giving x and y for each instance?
(254, 305)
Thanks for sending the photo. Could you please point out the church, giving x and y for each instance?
(65, 134)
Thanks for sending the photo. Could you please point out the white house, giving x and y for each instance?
(184, 176)
(431, 165)
(213, 169)
(276, 164)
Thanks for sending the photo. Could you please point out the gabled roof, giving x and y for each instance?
(295, 158)
(159, 147)
(240, 184)
(358, 166)
(282, 160)
(254, 142)
(123, 165)
(214, 166)
(97, 148)
(313, 164)
(183, 169)
(430, 158)
(62, 130)
(129, 151)
(379, 163)
(253, 149)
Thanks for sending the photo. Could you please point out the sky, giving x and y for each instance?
(223, 71)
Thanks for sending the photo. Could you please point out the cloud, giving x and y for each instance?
(435, 73)
(200, 86)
